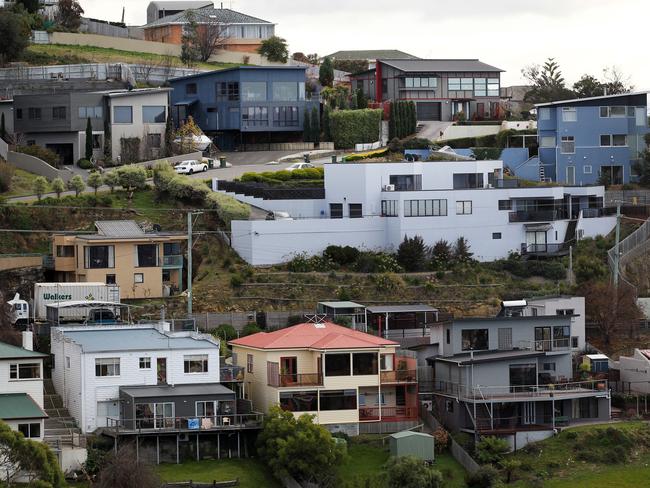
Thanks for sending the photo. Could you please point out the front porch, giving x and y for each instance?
(388, 403)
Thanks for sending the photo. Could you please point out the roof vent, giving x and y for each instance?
(317, 319)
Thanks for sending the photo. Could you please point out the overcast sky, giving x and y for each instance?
(583, 35)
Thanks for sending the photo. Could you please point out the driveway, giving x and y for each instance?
(432, 129)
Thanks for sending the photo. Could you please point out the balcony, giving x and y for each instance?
(213, 423)
(229, 374)
(535, 216)
(291, 380)
(547, 345)
(172, 261)
(399, 376)
(388, 413)
(555, 249)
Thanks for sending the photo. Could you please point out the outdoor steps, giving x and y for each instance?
(60, 426)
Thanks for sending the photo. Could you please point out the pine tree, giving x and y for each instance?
(306, 127)
(399, 120)
(169, 136)
(108, 152)
(326, 123)
(353, 101)
(89, 140)
(392, 132)
(315, 125)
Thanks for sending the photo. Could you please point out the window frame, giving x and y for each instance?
(158, 118)
(27, 428)
(107, 365)
(568, 140)
(120, 108)
(496, 235)
(191, 89)
(15, 370)
(355, 210)
(190, 360)
(566, 117)
(57, 111)
(249, 363)
(337, 215)
(463, 206)
(329, 372)
(467, 343)
(144, 362)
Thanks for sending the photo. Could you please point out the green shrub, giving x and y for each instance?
(227, 207)
(85, 164)
(225, 332)
(6, 175)
(350, 127)
(491, 449)
(486, 153)
(132, 177)
(377, 262)
(412, 254)
(250, 328)
(39, 152)
(342, 255)
(302, 263)
(484, 477)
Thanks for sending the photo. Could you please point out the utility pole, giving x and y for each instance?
(616, 246)
(189, 261)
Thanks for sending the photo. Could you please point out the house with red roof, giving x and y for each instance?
(349, 380)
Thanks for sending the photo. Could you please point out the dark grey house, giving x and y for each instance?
(440, 88)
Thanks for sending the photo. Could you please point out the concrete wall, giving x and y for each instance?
(636, 370)
(458, 131)
(36, 166)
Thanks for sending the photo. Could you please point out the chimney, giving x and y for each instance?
(28, 340)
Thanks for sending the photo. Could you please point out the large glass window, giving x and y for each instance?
(568, 145)
(285, 91)
(206, 408)
(493, 87)
(561, 336)
(91, 112)
(299, 401)
(464, 207)
(34, 113)
(64, 251)
(364, 363)
(337, 365)
(26, 371)
(285, 117)
(122, 115)
(154, 415)
(255, 116)
(99, 257)
(253, 91)
(475, 340)
(195, 363)
(453, 84)
(425, 208)
(480, 87)
(338, 400)
(153, 114)
(468, 180)
(228, 90)
(406, 182)
(523, 375)
(147, 256)
(421, 82)
(58, 113)
(107, 367)
(389, 208)
(172, 248)
(30, 431)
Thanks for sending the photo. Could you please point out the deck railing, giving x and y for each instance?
(297, 379)
(373, 413)
(399, 376)
(175, 424)
(520, 391)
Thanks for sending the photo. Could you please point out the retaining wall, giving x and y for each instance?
(36, 166)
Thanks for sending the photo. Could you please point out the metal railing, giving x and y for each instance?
(174, 424)
(535, 216)
(299, 379)
(520, 391)
(546, 345)
(172, 261)
(399, 376)
(632, 246)
(231, 373)
(519, 422)
(543, 248)
(374, 413)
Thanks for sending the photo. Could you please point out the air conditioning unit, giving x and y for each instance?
(389, 187)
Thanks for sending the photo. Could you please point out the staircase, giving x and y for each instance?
(570, 236)
(60, 428)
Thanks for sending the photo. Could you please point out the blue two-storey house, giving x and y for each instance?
(583, 139)
(244, 105)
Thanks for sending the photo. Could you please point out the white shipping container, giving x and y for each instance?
(49, 293)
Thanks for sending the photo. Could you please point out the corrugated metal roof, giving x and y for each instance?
(177, 390)
(589, 99)
(7, 351)
(119, 228)
(110, 339)
(166, 5)
(15, 406)
(209, 14)
(342, 304)
(400, 308)
(353, 55)
(433, 65)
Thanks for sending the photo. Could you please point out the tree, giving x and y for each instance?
(58, 186)
(326, 73)
(299, 448)
(412, 254)
(509, 466)
(68, 14)
(111, 179)
(441, 254)
(39, 186)
(491, 450)
(95, 180)
(15, 37)
(132, 178)
(547, 83)
(411, 472)
(123, 470)
(275, 49)
(225, 332)
(305, 58)
(588, 86)
(484, 477)
(315, 125)
(392, 130)
(108, 147)
(211, 35)
(611, 309)
(586, 269)
(327, 135)
(31, 6)
(462, 252)
(77, 184)
(615, 81)
(306, 126)
(189, 41)
(169, 136)
(89, 140)
(362, 100)
(250, 329)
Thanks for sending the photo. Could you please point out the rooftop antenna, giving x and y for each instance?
(123, 12)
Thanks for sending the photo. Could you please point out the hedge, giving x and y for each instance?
(39, 152)
(365, 155)
(468, 142)
(350, 127)
(283, 175)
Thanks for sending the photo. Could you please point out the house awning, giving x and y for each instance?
(538, 227)
(185, 103)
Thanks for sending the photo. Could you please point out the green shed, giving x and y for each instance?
(409, 443)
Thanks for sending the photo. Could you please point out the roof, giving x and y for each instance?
(354, 55)
(420, 65)
(177, 390)
(166, 5)
(134, 92)
(211, 14)
(85, 304)
(408, 433)
(400, 308)
(589, 99)
(325, 335)
(341, 304)
(15, 406)
(219, 71)
(116, 339)
(596, 356)
(119, 228)
(490, 356)
(7, 351)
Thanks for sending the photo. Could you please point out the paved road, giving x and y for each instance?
(432, 129)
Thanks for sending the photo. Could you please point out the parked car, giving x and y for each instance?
(296, 166)
(191, 166)
(278, 216)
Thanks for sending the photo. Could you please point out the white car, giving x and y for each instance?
(296, 166)
(191, 166)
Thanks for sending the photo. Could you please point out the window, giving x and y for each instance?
(30, 431)
(617, 112)
(154, 140)
(480, 87)
(146, 256)
(448, 334)
(285, 117)
(549, 367)
(523, 374)
(255, 116)
(468, 180)
(425, 208)
(544, 113)
(172, 248)
(496, 235)
(547, 141)
(568, 145)
(406, 182)
(153, 114)
(493, 87)
(58, 113)
(67, 362)
(356, 210)
(569, 114)
(107, 367)
(110, 279)
(123, 115)
(228, 91)
(619, 140)
(605, 140)
(364, 363)
(338, 400)
(475, 340)
(249, 363)
(337, 365)
(196, 363)
(26, 371)
(19, 114)
(464, 207)
(206, 408)
(336, 210)
(587, 169)
(99, 257)
(34, 113)
(453, 84)
(561, 336)
(97, 141)
(91, 112)
(64, 251)
(191, 89)
(253, 91)
(574, 342)
(421, 82)
(505, 204)
(145, 363)
(449, 406)
(389, 208)
(386, 362)
(285, 91)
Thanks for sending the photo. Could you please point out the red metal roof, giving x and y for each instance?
(325, 335)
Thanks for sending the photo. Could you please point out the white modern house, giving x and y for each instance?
(21, 388)
(374, 205)
(94, 365)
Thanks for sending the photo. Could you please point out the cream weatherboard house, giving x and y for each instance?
(350, 381)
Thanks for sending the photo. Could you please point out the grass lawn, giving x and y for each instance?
(453, 473)
(251, 473)
(366, 458)
(22, 184)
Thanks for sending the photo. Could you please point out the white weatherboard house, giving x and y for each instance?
(91, 364)
(374, 205)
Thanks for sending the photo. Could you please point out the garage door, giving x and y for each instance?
(428, 110)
